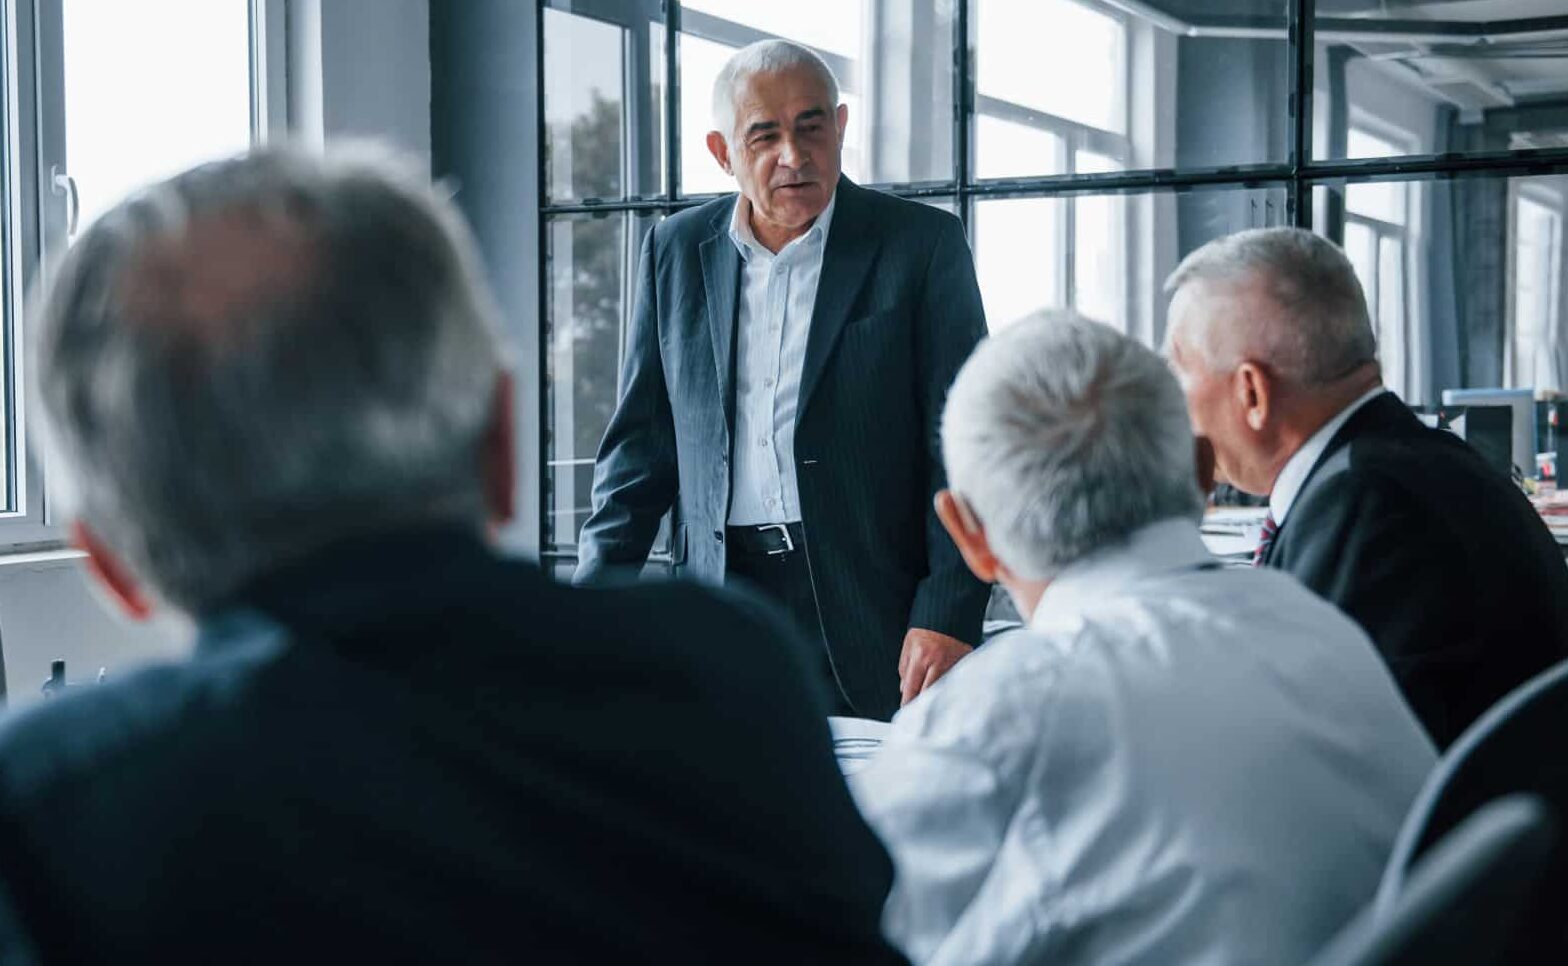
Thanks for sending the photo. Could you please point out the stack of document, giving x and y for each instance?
(855, 741)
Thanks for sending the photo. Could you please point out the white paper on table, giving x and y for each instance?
(856, 741)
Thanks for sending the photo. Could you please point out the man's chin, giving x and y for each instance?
(797, 207)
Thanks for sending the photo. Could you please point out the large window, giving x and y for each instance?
(1536, 338)
(1377, 229)
(1087, 146)
(100, 98)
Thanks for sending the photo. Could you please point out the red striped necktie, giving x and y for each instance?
(1265, 539)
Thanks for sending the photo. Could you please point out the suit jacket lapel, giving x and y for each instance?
(1377, 411)
(721, 282)
(845, 264)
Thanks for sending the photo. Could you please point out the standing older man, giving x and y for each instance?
(789, 351)
(275, 385)
(1175, 763)
(1439, 557)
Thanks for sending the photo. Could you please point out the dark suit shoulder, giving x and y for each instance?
(895, 216)
(689, 629)
(72, 736)
(694, 225)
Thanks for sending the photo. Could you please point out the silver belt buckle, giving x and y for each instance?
(783, 529)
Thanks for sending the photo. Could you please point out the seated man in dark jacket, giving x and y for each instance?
(273, 389)
(1436, 555)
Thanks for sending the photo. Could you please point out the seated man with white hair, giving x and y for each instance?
(277, 387)
(1173, 763)
(1438, 557)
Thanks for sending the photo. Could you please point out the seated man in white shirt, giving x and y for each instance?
(1174, 763)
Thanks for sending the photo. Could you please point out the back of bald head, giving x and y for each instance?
(1281, 297)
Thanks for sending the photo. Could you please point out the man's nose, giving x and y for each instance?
(792, 154)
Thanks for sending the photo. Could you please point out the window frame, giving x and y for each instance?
(36, 213)
(1297, 174)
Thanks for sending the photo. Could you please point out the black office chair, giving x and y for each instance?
(1463, 900)
(1520, 745)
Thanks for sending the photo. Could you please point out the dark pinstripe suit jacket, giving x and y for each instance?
(1437, 556)
(897, 312)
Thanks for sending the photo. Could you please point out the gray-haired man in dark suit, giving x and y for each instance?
(787, 361)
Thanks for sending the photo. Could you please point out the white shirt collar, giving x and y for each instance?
(741, 233)
(1160, 548)
(1287, 486)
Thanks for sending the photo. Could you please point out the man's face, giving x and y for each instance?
(1215, 400)
(785, 150)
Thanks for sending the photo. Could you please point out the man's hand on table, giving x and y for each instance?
(927, 656)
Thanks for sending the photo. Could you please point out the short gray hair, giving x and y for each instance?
(1065, 436)
(1322, 332)
(262, 355)
(763, 57)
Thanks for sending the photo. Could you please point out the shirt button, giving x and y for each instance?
(763, 441)
(771, 501)
(767, 383)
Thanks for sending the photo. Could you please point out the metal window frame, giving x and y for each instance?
(1297, 174)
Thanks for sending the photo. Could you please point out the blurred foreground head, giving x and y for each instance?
(262, 356)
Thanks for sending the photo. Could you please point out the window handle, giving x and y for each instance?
(63, 184)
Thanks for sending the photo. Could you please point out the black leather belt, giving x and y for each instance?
(767, 540)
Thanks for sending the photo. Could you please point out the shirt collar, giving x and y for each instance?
(1160, 548)
(1287, 486)
(746, 242)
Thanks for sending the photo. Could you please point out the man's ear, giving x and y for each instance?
(719, 147)
(842, 116)
(499, 457)
(114, 576)
(1204, 460)
(1255, 389)
(968, 535)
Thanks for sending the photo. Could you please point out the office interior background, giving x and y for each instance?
(1087, 145)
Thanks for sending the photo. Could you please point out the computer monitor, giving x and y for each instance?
(1522, 403)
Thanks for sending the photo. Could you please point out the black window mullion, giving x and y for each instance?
(963, 113)
(672, 100)
(1300, 42)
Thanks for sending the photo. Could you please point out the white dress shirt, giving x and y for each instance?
(1287, 486)
(777, 295)
(1172, 764)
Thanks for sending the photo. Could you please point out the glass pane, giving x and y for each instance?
(1122, 247)
(1437, 78)
(603, 105)
(1075, 71)
(1537, 290)
(1361, 249)
(828, 26)
(1463, 294)
(701, 60)
(1099, 241)
(151, 88)
(896, 81)
(1012, 149)
(1390, 306)
(1018, 256)
(10, 284)
(590, 267)
(1172, 83)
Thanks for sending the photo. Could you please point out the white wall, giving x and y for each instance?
(358, 67)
